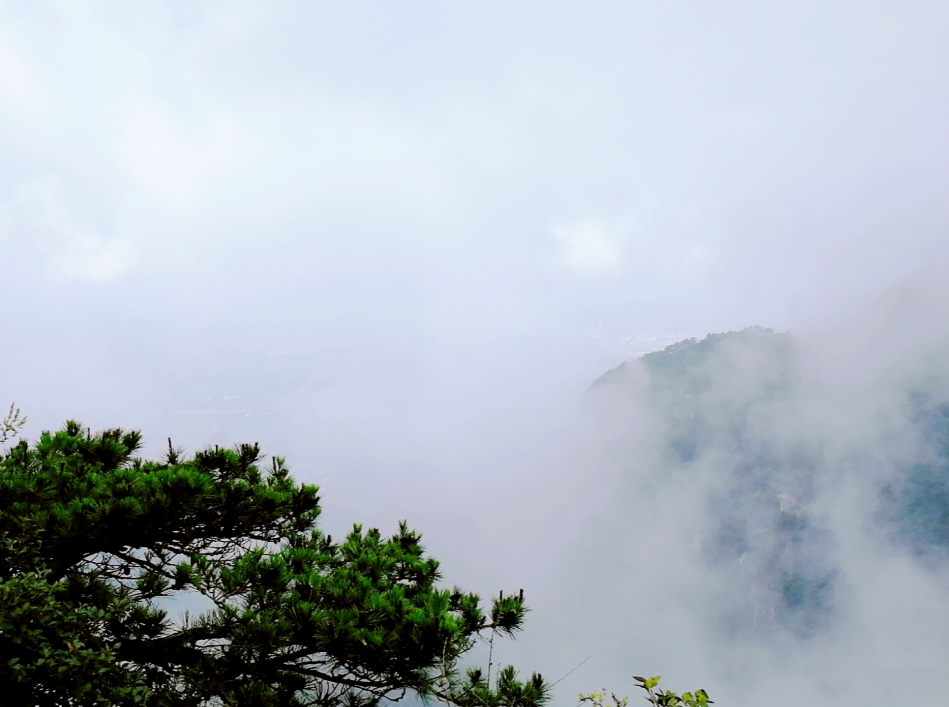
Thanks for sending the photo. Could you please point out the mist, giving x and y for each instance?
(432, 256)
(771, 529)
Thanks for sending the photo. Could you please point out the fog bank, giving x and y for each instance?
(770, 517)
(397, 244)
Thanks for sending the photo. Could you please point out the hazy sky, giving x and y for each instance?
(389, 239)
(469, 170)
(441, 182)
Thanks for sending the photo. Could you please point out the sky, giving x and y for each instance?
(396, 242)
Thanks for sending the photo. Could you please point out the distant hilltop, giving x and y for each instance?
(634, 345)
(770, 442)
(678, 353)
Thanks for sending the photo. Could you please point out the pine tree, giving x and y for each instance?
(93, 540)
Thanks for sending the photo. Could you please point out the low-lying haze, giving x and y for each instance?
(397, 243)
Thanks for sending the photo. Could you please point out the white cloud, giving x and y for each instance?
(590, 246)
(166, 162)
(91, 260)
(16, 82)
(75, 247)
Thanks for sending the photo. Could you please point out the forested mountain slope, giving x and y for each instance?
(787, 464)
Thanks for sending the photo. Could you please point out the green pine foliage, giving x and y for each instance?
(94, 540)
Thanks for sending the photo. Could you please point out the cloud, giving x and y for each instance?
(91, 260)
(771, 529)
(17, 84)
(167, 163)
(590, 246)
(74, 246)
(365, 183)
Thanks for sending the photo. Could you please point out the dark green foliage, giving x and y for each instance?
(508, 691)
(915, 503)
(53, 650)
(93, 540)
